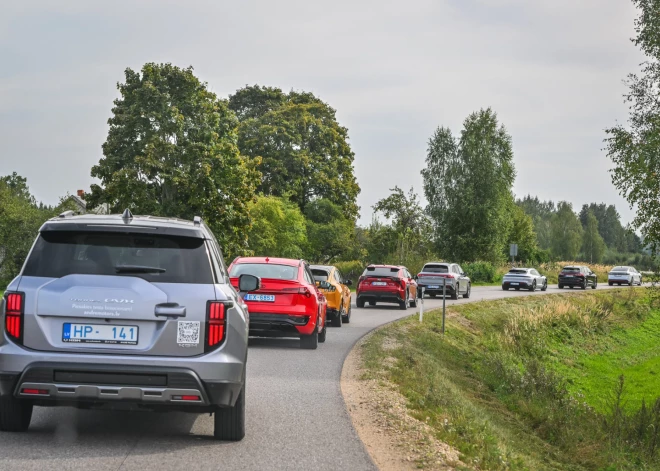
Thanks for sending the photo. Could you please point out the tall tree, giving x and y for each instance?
(172, 151)
(329, 230)
(593, 245)
(278, 228)
(634, 149)
(467, 183)
(541, 213)
(522, 233)
(566, 232)
(304, 151)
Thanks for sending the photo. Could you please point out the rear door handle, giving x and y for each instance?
(170, 310)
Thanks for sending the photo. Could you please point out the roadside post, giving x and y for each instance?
(421, 306)
(513, 251)
(444, 296)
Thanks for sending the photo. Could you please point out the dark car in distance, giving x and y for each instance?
(578, 276)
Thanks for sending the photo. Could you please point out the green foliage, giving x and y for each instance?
(522, 233)
(467, 183)
(171, 151)
(329, 231)
(593, 245)
(482, 272)
(634, 149)
(566, 232)
(351, 269)
(304, 151)
(278, 229)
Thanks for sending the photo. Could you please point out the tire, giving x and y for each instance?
(403, 305)
(359, 303)
(15, 414)
(372, 303)
(533, 287)
(310, 342)
(467, 293)
(561, 286)
(595, 285)
(454, 294)
(347, 318)
(323, 333)
(229, 422)
(413, 302)
(337, 320)
(505, 288)
(610, 283)
(584, 286)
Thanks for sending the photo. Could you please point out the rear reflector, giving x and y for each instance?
(35, 392)
(14, 316)
(186, 398)
(215, 324)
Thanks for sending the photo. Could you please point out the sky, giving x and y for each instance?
(553, 70)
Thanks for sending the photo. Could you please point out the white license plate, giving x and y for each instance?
(515, 284)
(379, 283)
(568, 276)
(434, 287)
(95, 333)
(265, 298)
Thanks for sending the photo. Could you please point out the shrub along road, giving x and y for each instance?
(296, 417)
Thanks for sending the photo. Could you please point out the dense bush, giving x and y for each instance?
(351, 269)
(482, 272)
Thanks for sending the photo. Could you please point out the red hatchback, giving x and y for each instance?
(288, 304)
(386, 283)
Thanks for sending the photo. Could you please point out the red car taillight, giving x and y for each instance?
(216, 323)
(14, 316)
(304, 291)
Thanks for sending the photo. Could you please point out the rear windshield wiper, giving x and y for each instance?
(138, 269)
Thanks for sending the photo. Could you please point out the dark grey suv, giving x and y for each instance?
(125, 312)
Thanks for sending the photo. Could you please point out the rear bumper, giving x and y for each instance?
(572, 281)
(280, 325)
(620, 280)
(449, 288)
(332, 313)
(518, 284)
(381, 296)
(107, 385)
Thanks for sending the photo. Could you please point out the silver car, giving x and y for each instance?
(125, 312)
(434, 274)
(524, 278)
(624, 276)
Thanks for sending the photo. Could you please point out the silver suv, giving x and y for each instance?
(125, 312)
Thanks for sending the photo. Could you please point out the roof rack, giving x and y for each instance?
(67, 214)
(197, 220)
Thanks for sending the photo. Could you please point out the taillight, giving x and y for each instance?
(216, 324)
(305, 291)
(360, 280)
(14, 316)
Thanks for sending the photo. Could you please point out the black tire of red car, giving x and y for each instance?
(15, 414)
(467, 293)
(229, 422)
(403, 305)
(310, 342)
(323, 333)
(359, 303)
(533, 287)
(347, 318)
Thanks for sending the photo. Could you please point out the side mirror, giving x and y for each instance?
(247, 283)
(324, 285)
(348, 282)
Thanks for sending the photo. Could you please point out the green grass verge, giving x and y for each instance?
(532, 383)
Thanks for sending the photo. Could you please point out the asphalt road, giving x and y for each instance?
(296, 417)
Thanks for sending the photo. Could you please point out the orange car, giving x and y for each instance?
(336, 291)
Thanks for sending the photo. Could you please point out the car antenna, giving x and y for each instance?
(127, 215)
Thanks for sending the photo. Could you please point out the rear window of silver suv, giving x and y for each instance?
(154, 258)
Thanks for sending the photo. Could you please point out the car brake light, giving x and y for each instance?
(14, 315)
(215, 324)
(35, 392)
(305, 291)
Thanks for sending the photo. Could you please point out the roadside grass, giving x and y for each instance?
(558, 382)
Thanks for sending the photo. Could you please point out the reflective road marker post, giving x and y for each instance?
(444, 296)
(421, 306)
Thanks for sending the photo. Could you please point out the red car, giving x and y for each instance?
(288, 304)
(387, 283)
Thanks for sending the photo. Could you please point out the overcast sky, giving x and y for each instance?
(393, 70)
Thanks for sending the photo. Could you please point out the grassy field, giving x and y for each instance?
(559, 382)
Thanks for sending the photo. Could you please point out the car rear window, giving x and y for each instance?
(320, 275)
(265, 270)
(381, 271)
(620, 269)
(435, 269)
(155, 258)
(518, 271)
(571, 269)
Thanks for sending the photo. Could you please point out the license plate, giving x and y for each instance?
(264, 298)
(568, 276)
(379, 283)
(515, 284)
(434, 287)
(95, 333)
